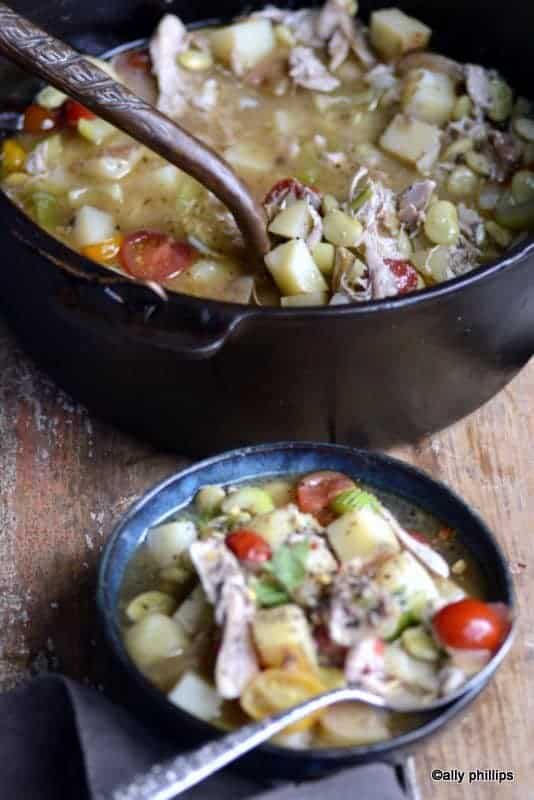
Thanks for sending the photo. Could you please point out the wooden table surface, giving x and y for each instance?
(66, 477)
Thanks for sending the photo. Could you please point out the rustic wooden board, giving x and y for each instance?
(66, 477)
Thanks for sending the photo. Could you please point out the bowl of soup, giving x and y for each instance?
(393, 160)
(262, 577)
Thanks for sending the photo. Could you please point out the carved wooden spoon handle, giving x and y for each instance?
(60, 65)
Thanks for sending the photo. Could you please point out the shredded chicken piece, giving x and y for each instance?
(506, 153)
(237, 662)
(338, 49)
(316, 233)
(169, 39)
(478, 86)
(301, 23)
(382, 77)
(350, 277)
(37, 161)
(337, 26)
(216, 566)
(413, 203)
(308, 71)
(364, 665)
(224, 583)
(471, 224)
(383, 281)
(207, 99)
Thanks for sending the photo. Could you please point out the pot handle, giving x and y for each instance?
(131, 307)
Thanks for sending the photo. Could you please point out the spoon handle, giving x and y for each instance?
(175, 776)
(63, 67)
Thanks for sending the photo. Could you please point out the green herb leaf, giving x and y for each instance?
(288, 565)
(269, 593)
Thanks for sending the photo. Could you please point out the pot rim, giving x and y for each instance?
(386, 463)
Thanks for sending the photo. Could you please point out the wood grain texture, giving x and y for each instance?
(65, 478)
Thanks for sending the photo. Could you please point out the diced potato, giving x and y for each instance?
(167, 542)
(413, 141)
(403, 576)
(50, 97)
(362, 533)
(294, 269)
(250, 156)
(347, 724)
(341, 229)
(293, 222)
(394, 33)
(282, 637)
(192, 613)
(276, 526)
(92, 226)
(408, 670)
(154, 638)
(308, 299)
(429, 96)
(243, 45)
(324, 255)
(115, 164)
(194, 694)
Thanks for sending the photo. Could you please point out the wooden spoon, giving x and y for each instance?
(61, 66)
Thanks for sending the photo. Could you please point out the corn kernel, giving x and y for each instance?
(13, 156)
(195, 60)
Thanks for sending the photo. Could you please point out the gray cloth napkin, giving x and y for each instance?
(62, 741)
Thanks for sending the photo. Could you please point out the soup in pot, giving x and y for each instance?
(382, 167)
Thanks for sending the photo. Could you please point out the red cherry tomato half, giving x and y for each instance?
(153, 256)
(315, 490)
(248, 546)
(139, 59)
(290, 186)
(470, 624)
(74, 112)
(405, 274)
(40, 120)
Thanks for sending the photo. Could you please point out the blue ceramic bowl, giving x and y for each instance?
(249, 463)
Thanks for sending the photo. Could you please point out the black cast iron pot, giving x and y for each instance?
(373, 469)
(199, 375)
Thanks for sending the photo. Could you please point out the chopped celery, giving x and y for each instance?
(46, 209)
(249, 498)
(362, 198)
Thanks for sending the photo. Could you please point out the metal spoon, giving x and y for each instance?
(61, 66)
(172, 777)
